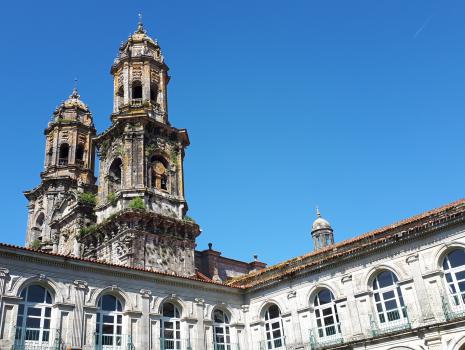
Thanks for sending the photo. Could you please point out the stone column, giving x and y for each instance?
(296, 326)
(80, 289)
(146, 82)
(144, 329)
(352, 326)
(199, 343)
(127, 92)
(424, 303)
(4, 275)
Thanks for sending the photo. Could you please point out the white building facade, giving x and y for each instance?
(82, 282)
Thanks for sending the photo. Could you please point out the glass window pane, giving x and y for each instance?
(325, 296)
(34, 311)
(48, 311)
(108, 319)
(36, 294)
(274, 312)
(33, 322)
(456, 258)
(168, 310)
(448, 277)
(391, 304)
(388, 295)
(385, 279)
(459, 275)
(21, 309)
(108, 303)
(107, 329)
(46, 323)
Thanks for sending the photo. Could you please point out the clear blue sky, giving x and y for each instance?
(355, 106)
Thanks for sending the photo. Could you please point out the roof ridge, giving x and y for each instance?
(347, 242)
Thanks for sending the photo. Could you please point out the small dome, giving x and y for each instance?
(75, 101)
(320, 223)
(73, 110)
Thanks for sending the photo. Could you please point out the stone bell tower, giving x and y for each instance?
(141, 210)
(56, 208)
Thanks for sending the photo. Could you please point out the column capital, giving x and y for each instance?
(199, 301)
(4, 272)
(79, 284)
(145, 293)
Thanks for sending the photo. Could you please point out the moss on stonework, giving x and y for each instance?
(64, 120)
(87, 198)
(88, 229)
(36, 244)
(136, 203)
(188, 218)
(112, 198)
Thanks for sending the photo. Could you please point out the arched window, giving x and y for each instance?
(79, 153)
(109, 327)
(114, 175)
(221, 334)
(454, 276)
(274, 328)
(327, 319)
(34, 317)
(63, 155)
(153, 93)
(136, 90)
(388, 299)
(170, 330)
(159, 173)
(37, 229)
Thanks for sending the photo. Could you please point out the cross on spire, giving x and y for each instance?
(140, 25)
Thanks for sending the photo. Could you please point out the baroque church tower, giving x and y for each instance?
(62, 203)
(141, 210)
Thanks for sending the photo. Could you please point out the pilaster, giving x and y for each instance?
(80, 289)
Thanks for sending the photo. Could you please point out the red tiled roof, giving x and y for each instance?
(196, 277)
(291, 266)
(341, 249)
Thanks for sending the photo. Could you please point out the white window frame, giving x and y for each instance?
(23, 332)
(322, 331)
(272, 325)
(175, 341)
(457, 298)
(221, 329)
(114, 340)
(384, 316)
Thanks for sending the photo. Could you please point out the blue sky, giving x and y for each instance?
(355, 106)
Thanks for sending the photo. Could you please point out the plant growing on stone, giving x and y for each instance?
(136, 203)
(112, 198)
(36, 244)
(188, 218)
(87, 198)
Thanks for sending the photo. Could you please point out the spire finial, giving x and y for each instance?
(75, 93)
(318, 212)
(140, 25)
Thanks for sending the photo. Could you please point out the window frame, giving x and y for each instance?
(385, 316)
(272, 342)
(109, 318)
(23, 331)
(225, 331)
(457, 297)
(319, 316)
(175, 341)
